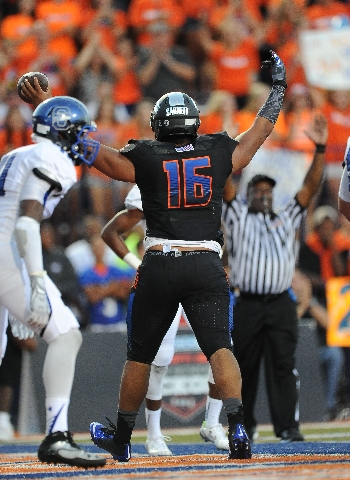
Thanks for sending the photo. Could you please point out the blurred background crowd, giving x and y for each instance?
(119, 57)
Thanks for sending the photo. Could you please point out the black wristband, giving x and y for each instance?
(280, 82)
(320, 148)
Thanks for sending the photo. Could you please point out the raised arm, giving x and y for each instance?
(251, 140)
(230, 190)
(318, 133)
(114, 164)
(108, 161)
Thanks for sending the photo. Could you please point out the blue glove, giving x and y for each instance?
(278, 70)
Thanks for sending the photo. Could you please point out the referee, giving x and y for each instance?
(261, 257)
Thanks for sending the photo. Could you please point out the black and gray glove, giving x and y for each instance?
(278, 70)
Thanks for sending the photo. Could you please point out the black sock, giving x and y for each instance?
(234, 411)
(125, 425)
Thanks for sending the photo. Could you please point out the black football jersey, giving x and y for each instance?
(181, 186)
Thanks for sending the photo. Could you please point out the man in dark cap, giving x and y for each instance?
(263, 202)
(261, 258)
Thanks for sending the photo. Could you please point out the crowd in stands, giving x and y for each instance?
(120, 56)
(115, 55)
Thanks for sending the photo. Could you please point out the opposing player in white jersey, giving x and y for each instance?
(155, 443)
(33, 179)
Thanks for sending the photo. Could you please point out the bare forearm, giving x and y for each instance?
(312, 180)
(319, 313)
(148, 72)
(229, 190)
(84, 57)
(113, 164)
(250, 142)
(113, 240)
(314, 175)
(318, 133)
(95, 293)
(186, 72)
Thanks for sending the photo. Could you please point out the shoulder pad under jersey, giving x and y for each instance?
(44, 174)
(127, 148)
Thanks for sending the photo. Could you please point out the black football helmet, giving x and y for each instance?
(66, 122)
(175, 113)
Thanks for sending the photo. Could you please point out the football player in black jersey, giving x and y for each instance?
(181, 178)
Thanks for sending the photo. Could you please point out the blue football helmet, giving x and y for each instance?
(66, 122)
(175, 113)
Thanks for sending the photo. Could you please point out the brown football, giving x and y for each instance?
(43, 82)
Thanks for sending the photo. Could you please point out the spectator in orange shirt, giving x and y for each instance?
(57, 68)
(62, 19)
(111, 23)
(142, 13)
(328, 14)
(198, 10)
(164, 67)
(291, 52)
(246, 116)
(96, 63)
(108, 127)
(122, 61)
(299, 113)
(90, 69)
(9, 75)
(220, 114)
(138, 126)
(101, 187)
(15, 132)
(17, 31)
(284, 20)
(246, 12)
(9, 71)
(337, 110)
(235, 57)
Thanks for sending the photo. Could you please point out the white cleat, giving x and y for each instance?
(157, 447)
(215, 434)
(7, 432)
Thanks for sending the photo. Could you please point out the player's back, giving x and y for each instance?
(181, 186)
(14, 170)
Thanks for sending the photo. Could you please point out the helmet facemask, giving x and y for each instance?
(84, 149)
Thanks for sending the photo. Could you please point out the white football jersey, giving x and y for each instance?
(14, 170)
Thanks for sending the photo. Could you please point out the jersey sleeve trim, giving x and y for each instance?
(43, 176)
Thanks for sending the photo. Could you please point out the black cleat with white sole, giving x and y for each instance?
(59, 447)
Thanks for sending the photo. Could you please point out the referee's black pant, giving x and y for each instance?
(267, 327)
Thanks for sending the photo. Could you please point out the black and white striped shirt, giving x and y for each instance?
(261, 248)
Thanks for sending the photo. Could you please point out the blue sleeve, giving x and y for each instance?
(87, 278)
(117, 274)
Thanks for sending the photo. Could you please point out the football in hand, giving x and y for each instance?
(43, 82)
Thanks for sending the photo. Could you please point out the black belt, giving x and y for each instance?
(177, 253)
(260, 297)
